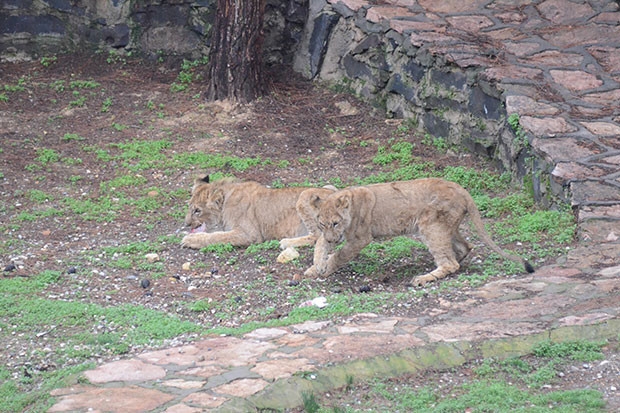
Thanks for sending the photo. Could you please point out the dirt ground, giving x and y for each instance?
(312, 134)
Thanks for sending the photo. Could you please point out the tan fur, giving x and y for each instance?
(432, 207)
(244, 213)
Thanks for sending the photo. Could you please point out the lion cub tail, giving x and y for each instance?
(474, 215)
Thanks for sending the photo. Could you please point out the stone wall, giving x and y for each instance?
(347, 46)
(36, 28)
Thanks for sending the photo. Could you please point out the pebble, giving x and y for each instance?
(287, 255)
(71, 270)
(293, 283)
(10, 267)
(145, 283)
(365, 289)
(187, 266)
(151, 257)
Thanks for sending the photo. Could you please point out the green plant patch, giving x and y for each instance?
(72, 137)
(515, 384)
(400, 151)
(215, 161)
(574, 350)
(265, 246)
(19, 87)
(378, 255)
(38, 196)
(84, 84)
(103, 209)
(47, 156)
(535, 226)
(220, 249)
(122, 181)
(139, 155)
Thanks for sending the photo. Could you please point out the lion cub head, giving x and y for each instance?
(335, 216)
(205, 206)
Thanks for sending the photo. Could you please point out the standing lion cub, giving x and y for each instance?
(432, 207)
(243, 213)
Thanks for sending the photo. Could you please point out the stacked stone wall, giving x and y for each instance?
(343, 45)
(36, 28)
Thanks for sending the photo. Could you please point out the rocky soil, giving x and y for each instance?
(312, 134)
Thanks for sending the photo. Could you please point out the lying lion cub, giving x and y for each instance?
(244, 213)
(434, 208)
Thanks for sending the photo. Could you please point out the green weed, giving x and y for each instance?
(115, 58)
(119, 127)
(215, 161)
(188, 74)
(38, 196)
(19, 87)
(47, 61)
(47, 156)
(574, 350)
(265, 246)
(310, 402)
(79, 102)
(58, 85)
(103, 209)
(67, 137)
(122, 181)
(106, 105)
(514, 121)
(400, 151)
(83, 84)
(535, 226)
(220, 249)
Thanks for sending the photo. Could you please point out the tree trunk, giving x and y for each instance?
(235, 65)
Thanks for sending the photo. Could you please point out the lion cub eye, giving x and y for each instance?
(197, 211)
(334, 224)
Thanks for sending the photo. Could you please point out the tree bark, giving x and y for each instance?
(235, 68)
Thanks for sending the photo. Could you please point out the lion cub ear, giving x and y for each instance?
(343, 201)
(315, 201)
(217, 197)
(200, 181)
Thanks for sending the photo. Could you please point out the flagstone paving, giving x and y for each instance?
(558, 61)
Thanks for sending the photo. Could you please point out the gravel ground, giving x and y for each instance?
(312, 135)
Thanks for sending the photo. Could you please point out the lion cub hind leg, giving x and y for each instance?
(441, 245)
(444, 269)
(460, 247)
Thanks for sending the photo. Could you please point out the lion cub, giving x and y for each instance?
(245, 212)
(432, 207)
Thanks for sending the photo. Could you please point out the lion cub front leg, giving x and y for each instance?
(322, 250)
(202, 239)
(307, 207)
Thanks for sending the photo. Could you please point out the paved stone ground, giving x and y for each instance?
(559, 63)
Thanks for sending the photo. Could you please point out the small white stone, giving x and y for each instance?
(287, 255)
(151, 257)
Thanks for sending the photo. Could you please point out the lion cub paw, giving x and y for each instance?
(421, 280)
(287, 243)
(194, 241)
(312, 272)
